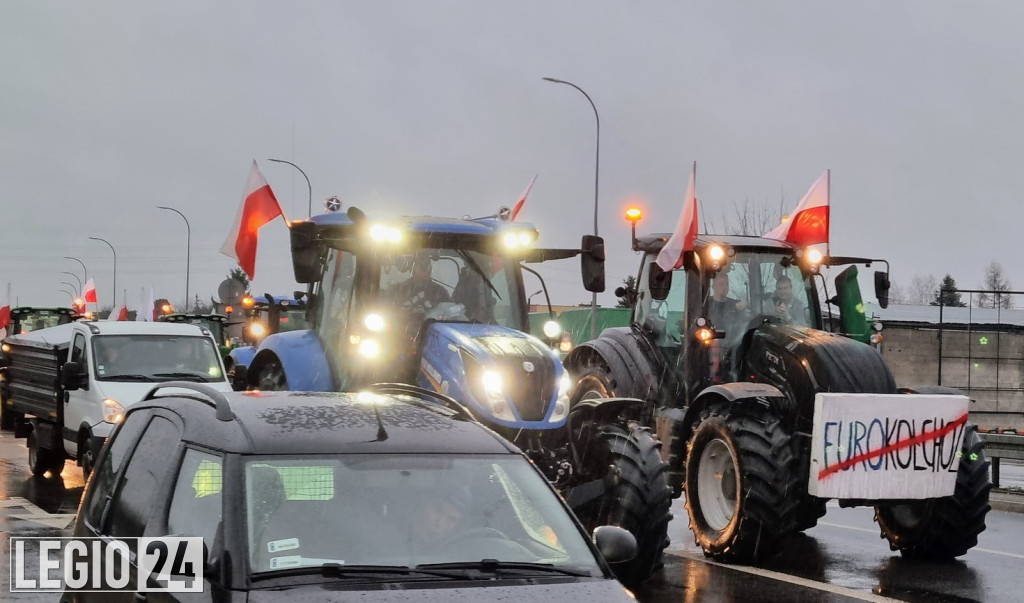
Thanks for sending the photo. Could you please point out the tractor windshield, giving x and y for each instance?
(769, 284)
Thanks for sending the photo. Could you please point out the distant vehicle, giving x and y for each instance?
(25, 319)
(389, 494)
(214, 323)
(66, 387)
(264, 315)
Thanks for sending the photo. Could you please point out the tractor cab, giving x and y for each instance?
(267, 314)
(214, 323)
(27, 318)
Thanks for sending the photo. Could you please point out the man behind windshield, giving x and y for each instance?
(419, 292)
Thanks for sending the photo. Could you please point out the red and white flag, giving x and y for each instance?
(259, 206)
(5, 309)
(671, 255)
(89, 292)
(119, 313)
(808, 225)
(522, 201)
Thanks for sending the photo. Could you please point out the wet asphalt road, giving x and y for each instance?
(842, 559)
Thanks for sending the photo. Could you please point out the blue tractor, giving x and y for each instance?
(263, 315)
(464, 334)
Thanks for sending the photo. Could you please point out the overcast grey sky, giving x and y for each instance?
(109, 109)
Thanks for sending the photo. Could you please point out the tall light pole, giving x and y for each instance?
(308, 185)
(188, 248)
(69, 285)
(76, 278)
(113, 300)
(597, 169)
(85, 273)
(72, 295)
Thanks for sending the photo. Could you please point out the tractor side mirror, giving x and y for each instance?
(882, 288)
(592, 263)
(658, 281)
(307, 252)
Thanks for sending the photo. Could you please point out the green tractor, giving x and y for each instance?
(215, 323)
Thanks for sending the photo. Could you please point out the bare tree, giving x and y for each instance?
(921, 291)
(897, 294)
(995, 281)
(748, 218)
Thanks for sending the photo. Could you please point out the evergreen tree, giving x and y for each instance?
(626, 293)
(947, 295)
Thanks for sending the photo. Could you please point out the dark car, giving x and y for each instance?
(389, 494)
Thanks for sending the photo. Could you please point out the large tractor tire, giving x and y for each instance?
(741, 476)
(270, 376)
(637, 500)
(943, 528)
(593, 382)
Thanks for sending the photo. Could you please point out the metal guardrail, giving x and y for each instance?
(1002, 446)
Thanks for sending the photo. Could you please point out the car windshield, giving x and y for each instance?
(406, 511)
(156, 358)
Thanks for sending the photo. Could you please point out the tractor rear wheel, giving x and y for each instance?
(741, 474)
(271, 377)
(638, 499)
(943, 528)
(593, 382)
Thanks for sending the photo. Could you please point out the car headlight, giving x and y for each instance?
(113, 412)
(495, 396)
(369, 348)
(562, 401)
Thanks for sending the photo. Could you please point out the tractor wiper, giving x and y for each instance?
(477, 269)
(505, 567)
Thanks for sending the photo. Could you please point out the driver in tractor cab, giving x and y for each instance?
(784, 305)
(419, 293)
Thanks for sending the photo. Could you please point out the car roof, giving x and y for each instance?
(328, 423)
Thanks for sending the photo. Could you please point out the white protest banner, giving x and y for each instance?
(886, 446)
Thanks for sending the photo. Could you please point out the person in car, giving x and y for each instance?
(439, 517)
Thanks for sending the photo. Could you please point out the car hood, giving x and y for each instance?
(130, 392)
(591, 590)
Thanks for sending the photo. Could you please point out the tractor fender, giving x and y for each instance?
(302, 357)
(621, 351)
(599, 411)
(242, 356)
(739, 392)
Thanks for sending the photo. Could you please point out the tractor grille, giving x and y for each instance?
(531, 391)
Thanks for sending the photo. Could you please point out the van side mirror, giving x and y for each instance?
(592, 263)
(307, 252)
(882, 288)
(658, 281)
(71, 376)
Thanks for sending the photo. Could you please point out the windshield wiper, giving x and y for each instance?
(477, 269)
(186, 376)
(502, 567)
(340, 570)
(127, 377)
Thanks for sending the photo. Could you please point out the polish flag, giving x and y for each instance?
(5, 310)
(259, 206)
(809, 223)
(671, 255)
(522, 201)
(89, 292)
(119, 313)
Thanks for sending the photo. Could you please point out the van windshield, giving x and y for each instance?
(156, 358)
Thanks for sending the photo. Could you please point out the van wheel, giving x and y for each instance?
(86, 456)
(41, 460)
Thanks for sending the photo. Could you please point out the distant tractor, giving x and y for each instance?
(25, 319)
(214, 323)
(263, 315)
(765, 416)
(440, 303)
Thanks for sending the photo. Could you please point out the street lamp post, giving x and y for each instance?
(308, 185)
(188, 248)
(85, 273)
(113, 300)
(75, 277)
(597, 168)
(70, 294)
(69, 285)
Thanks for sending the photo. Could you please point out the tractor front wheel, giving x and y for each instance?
(741, 474)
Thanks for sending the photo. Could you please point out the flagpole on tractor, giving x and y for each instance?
(188, 249)
(114, 277)
(597, 167)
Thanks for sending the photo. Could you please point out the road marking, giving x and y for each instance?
(822, 586)
(979, 549)
(35, 514)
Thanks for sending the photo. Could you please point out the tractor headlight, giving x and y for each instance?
(495, 396)
(374, 322)
(369, 348)
(561, 409)
(552, 330)
(385, 234)
(257, 329)
(113, 412)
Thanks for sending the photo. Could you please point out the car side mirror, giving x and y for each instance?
(615, 544)
(658, 281)
(592, 263)
(882, 288)
(71, 376)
